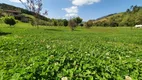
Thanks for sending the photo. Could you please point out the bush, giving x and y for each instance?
(10, 21)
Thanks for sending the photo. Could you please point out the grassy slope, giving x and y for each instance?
(123, 18)
(55, 52)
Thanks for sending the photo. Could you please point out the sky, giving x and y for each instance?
(86, 9)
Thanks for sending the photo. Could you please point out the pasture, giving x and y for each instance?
(51, 53)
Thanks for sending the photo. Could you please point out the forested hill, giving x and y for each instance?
(4, 7)
(27, 16)
(131, 17)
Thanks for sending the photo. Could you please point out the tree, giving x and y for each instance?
(60, 22)
(135, 8)
(55, 23)
(131, 8)
(65, 22)
(34, 6)
(128, 10)
(72, 24)
(10, 21)
(78, 20)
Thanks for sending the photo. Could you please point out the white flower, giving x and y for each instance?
(56, 63)
(64, 78)
(107, 57)
(138, 60)
(47, 46)
(1, 51)
(128, 78)
(127, 56)
(16, 49)
(130, 52)
(107, 53)
(88, 54)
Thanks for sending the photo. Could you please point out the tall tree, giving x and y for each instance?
(34, 6)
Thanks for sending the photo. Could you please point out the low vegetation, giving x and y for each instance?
(53, 52)
(58, 53)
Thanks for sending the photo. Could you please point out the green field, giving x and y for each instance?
(51, 53)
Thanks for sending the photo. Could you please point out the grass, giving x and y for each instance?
(52, 53)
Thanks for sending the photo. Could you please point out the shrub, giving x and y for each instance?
(10, 21)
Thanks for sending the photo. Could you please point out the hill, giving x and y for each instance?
(131, 17)
(24, 15)
(4, 7)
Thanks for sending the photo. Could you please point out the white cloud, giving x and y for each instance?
(73, 9)
(84, 2)
(69, 15)
(71, 12)
(17, 1)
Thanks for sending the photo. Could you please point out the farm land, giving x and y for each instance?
(53, 53)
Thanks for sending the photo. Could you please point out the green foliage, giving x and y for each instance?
(86, 54)
(78, 20)
(92, 54)
(10, 21)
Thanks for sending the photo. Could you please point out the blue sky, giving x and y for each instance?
(86, 9)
